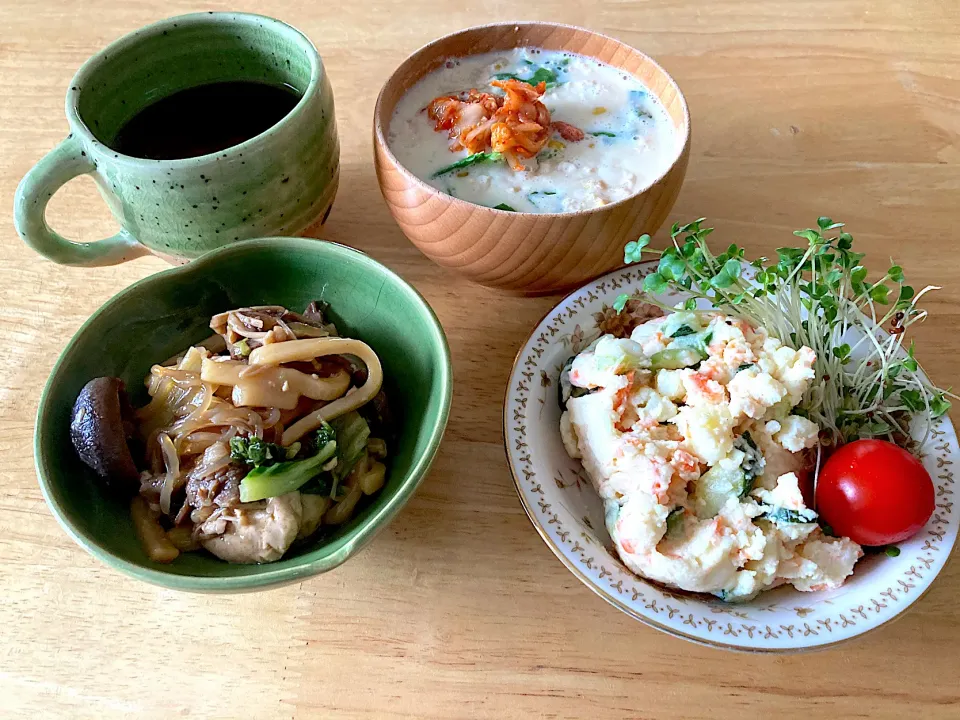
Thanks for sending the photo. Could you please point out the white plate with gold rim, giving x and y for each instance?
(568, 514)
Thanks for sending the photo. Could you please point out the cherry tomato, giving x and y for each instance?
(874, 492)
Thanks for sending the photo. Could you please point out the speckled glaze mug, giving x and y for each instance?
(280, 182)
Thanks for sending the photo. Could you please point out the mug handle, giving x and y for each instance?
(63, 163)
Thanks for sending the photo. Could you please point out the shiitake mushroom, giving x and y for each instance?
(101, 426)
(378, 415)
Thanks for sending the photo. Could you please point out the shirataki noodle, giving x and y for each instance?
(274, 379)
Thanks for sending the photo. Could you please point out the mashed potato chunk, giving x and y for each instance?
(700, 463)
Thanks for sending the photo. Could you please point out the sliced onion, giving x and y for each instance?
(201, 402)
(271, 418)
(235, 324)
(256, 422)
(302, 330)
(172, 462)
(197, 442)
(181, 377)
(215, 458)
(252, 371)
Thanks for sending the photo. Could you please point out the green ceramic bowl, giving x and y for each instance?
(159, 316)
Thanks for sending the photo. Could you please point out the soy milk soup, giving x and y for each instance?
(628, 140)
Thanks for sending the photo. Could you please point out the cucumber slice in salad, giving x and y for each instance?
(716, 486)
(675, 358)
(719, 483)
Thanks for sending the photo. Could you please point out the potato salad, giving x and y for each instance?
(687, 432)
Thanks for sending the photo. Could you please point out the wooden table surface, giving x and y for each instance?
(849, 108)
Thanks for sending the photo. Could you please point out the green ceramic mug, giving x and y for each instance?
(280, 182)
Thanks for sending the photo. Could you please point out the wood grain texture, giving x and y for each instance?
(524, 251)
(849, 108)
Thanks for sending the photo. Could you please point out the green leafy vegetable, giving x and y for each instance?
(255, 451)
(326, 434)
(483, 157)
(654, 284)
(818, 295)
(284, 477)
(637, 97)
(603, 133)
(939, 406)
(632, 250)
(675, 321)
(319, 485)
(565, 389)
(892, 551)
(753, 462)
(841, 352)
(537, 196)
(540, 75)
(675, 521)
(786, 515)
(504, 206)
(696, 341)
(352, 435)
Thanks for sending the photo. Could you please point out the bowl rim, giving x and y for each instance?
(612, 599)
(267, 574)
(129, 40)
(379, 122)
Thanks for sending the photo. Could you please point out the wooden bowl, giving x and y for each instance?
(528, 252)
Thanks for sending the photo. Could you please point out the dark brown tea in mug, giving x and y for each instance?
(204, 119)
